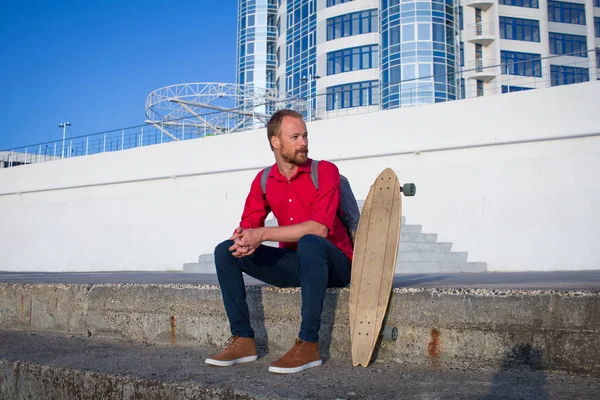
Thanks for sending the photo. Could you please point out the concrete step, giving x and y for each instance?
(425, 256)
(417, 237)
(271, 222)
(411, 228)
(404, 246)
(424, 247)
(206, 258)
(428, 267)
(452, 327)
(421, 248)
(200, 268)
(46, 366)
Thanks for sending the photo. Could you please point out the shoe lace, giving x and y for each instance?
(232, 341)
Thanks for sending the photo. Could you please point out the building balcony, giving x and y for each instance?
(483, 69)
(481, 4)
(482, 33)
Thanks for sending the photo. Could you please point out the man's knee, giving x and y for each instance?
(311, 243)
(222, 249)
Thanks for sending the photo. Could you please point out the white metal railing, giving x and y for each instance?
(487, 65)
(481, 29)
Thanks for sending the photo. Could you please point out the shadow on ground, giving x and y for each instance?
(521, 375)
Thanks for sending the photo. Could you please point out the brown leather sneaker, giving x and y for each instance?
(302, 356)
(239, 350)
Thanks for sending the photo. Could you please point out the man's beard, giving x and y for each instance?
(296, 157)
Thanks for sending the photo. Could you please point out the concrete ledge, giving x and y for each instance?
(454, 327)
(24, 380)
(47, 366)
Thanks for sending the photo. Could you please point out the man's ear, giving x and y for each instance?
(275, 142)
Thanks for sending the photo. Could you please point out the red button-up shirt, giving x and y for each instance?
(297, 200)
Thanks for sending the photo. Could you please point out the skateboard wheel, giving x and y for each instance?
(409, 189)
(390, 333)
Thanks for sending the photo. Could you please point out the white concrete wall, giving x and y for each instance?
(512, 179)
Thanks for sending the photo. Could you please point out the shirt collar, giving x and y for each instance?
(274, 173)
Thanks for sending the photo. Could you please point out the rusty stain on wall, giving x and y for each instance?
(435, 347)
(173, 333)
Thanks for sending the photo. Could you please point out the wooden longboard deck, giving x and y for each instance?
(375, 254)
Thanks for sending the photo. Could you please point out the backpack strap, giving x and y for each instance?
(314, 173)
(263, 180)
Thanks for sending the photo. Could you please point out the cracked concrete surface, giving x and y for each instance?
(49, 366)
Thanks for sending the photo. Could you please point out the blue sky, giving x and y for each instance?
(93, 62)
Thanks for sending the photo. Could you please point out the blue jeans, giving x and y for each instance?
(316, 265)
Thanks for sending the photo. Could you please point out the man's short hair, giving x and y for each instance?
(275, 122)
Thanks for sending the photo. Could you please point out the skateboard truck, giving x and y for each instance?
(389, 333)
(409, 189)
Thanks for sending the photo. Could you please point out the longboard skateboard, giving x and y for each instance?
(374, 263)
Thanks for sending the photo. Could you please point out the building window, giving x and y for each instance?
(299, 54)
(460, 18)
(270, 79)
(353, 95)
(597, 26)
(479, 88)
(598, 59)
(507, 89)
(278, 26)
(462, 54)
(569, 13)
(353, 59)
(355, 23)
(596, 3)
(478, 52)
(521, 64)
(521, 3)
(336, 2)
(527, 30)
(561, 43)
(561, 75)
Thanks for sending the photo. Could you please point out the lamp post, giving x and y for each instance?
(310, 80)
(63, 125)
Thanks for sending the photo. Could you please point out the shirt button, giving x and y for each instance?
(290, 200)
(291, 219)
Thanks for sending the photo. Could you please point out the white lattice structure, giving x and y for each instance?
(213, 108)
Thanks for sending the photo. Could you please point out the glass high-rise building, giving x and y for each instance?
(256, 43)
(382, 54)
(419, 52)
(256, 63)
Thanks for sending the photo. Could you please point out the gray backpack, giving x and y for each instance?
(348, 211)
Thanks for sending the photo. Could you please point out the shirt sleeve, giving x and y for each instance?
(256, 207)
(326, 205)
